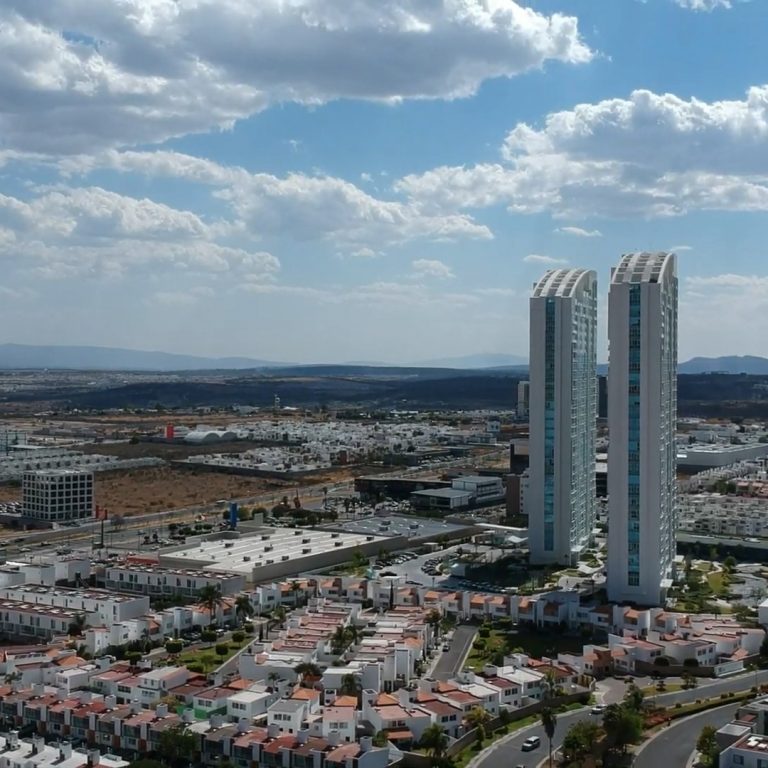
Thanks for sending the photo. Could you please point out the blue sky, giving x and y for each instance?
(330, 181)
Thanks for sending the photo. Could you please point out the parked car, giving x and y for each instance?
(598, 709)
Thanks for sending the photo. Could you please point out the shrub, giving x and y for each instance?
(238, 637)
(248, 628)
(195, 667)
(479, 645)
(134, 657)
(661, 661)
(208, 636)
(484, 632)
(691, 663)
(222, 649)
(174, 646)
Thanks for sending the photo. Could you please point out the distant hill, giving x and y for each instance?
(116, 359)
(729, 364)
(478, 360)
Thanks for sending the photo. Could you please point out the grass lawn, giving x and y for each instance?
(536, 644)
(469, 753)
(715, 581)
(207, 657)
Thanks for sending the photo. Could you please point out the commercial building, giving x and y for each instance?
(58, 495)
(271, 553)
(563, 414)
(642, 415)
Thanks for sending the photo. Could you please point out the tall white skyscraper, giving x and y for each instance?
(563, 405)
(642, 419)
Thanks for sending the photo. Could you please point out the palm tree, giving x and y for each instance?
(278, 615)
(478, 718)
(349, 686)
(339, 641)
(212, 598)
(435, 741)
(549, 721)
(307, 669)
(273, 678)
(243, 607)
(295, 589)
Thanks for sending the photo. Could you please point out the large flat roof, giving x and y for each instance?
(400, 525)
(242, 555)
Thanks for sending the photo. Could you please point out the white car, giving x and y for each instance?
(531, 743)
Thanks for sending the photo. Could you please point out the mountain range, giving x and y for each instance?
(26, 356)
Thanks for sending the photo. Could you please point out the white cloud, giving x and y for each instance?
(66, 231)
(738, 301)
(432, 268)
(650, 155)
(680, 248)
(579, 232)
(301, 206)
(131, 72)
(535, 258)
(703, 5)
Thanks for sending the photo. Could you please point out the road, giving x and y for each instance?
(674, 745)
(451, 661)
(509, 752)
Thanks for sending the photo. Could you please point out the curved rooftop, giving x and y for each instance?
(644, 267)
(562, 282)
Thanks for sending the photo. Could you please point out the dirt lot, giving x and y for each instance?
(153, 489)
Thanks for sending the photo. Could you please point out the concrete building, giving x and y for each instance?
(271, 553)
(563, 415)
(58, 495)
(642, 416)
(155, 581)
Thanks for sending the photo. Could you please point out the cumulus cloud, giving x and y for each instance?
(535, 258)
(63, 231)
(703, 5)
(579, 232)
(650, 155)
(298, 205)
(432, 268)
(134, 72)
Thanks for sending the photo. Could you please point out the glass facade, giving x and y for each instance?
(633, 438)
(549, 426)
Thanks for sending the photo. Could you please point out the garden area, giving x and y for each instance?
(494, 641)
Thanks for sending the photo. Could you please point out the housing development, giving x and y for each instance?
(367, 587)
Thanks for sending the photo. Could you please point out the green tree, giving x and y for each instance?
(307, 669)
(549, 722)
(708, 747)
(222, 649)
(730, 563)
(579, 741)
(349, 686)
(623, 726)
(211, 598)
(177, 746)
(478, 718)
(243, 608)
(633, 697)
(435, 741)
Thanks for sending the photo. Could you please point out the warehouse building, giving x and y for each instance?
(272, 553)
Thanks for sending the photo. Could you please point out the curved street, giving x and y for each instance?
(508, 752)
(673, 745)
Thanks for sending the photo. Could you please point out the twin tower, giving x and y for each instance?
(642, 417)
